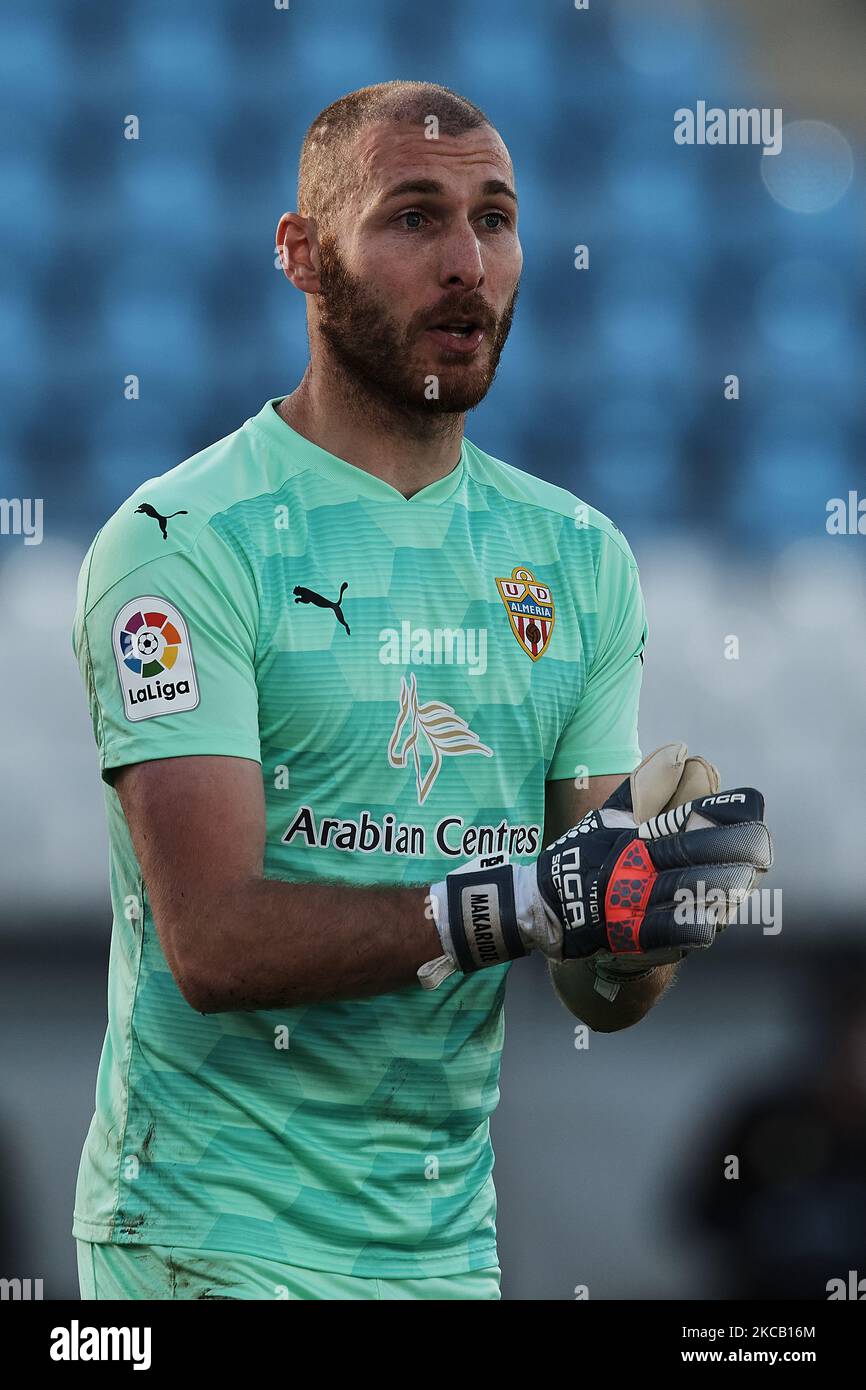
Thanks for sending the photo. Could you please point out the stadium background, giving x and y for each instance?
(154, 257)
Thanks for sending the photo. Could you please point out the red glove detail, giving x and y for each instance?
(628, 892)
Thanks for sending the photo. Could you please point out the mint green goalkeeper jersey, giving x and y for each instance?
(408, 673)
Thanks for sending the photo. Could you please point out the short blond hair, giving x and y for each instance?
(327, 176)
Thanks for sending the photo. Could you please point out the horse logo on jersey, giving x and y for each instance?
(529, 606)
(445, 732)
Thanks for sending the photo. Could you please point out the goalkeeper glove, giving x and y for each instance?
(607, 885)
(665, 779)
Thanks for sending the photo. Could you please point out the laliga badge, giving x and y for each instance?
(154, 659)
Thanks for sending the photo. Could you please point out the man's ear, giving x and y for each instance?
(297, 244)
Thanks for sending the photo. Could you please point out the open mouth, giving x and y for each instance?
(461, 335)
(462, 330)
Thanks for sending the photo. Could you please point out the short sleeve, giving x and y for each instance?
(602, 735)
(167, 654)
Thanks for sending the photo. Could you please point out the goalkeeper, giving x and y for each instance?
(328, 660)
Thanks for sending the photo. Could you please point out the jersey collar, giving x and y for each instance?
(358, 479)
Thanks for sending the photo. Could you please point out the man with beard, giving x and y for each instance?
(330, 659)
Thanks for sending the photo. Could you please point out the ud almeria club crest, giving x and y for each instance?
(529, 606)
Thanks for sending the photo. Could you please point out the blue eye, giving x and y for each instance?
(413, 213)
(501, 223)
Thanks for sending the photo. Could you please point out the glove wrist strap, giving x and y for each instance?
(482, 917)
(475, 911)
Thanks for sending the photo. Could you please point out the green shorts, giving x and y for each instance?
(168, 1272)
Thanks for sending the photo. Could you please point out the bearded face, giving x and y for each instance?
(426, 365)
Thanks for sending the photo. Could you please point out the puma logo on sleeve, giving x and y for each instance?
(148, 510)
